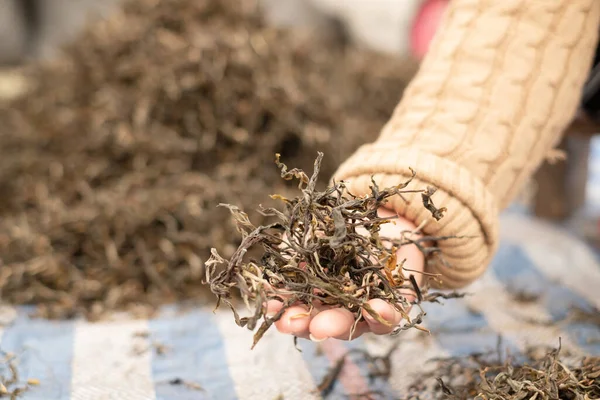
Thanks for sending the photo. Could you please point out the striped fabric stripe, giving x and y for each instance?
(513, 268)
(110, 358)
(555, 253)
(195, 354)
(264, 371)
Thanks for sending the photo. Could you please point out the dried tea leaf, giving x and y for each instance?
(339, 234)
(187, 384)
(10, 384)
(375, 314)
(113, 163)
(437, 213)
(266, 325)
(330, 379)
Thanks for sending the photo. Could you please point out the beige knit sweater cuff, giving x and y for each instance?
(501, 82)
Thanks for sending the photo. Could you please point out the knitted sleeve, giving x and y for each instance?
(501, 82)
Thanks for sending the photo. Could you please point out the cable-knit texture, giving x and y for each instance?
(500, 84)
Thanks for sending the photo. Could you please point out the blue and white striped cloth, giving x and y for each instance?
(101, 361)
(593, 181)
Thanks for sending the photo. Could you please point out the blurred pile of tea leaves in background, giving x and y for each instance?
(113, 163)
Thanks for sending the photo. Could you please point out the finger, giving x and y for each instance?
(361, 328)
(387, 312)
(295, 321)
(333, 323)
(414, 264)
(412, 257)
(273, 307)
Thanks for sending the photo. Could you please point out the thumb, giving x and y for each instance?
(412, 259)
(410, 253)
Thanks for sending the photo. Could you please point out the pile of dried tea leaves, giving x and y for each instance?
(113, 163)
(314, 254)
(540, 373)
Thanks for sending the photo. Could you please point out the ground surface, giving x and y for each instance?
(151, 359)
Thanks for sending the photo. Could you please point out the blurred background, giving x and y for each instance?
(116, 137)
(35, 30)
(123, 124)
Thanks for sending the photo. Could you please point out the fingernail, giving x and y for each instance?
(271, 314)
(314, 339)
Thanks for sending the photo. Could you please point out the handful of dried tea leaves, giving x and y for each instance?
(315, 253)
(539, 373)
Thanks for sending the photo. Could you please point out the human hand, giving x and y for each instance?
(337, 323)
